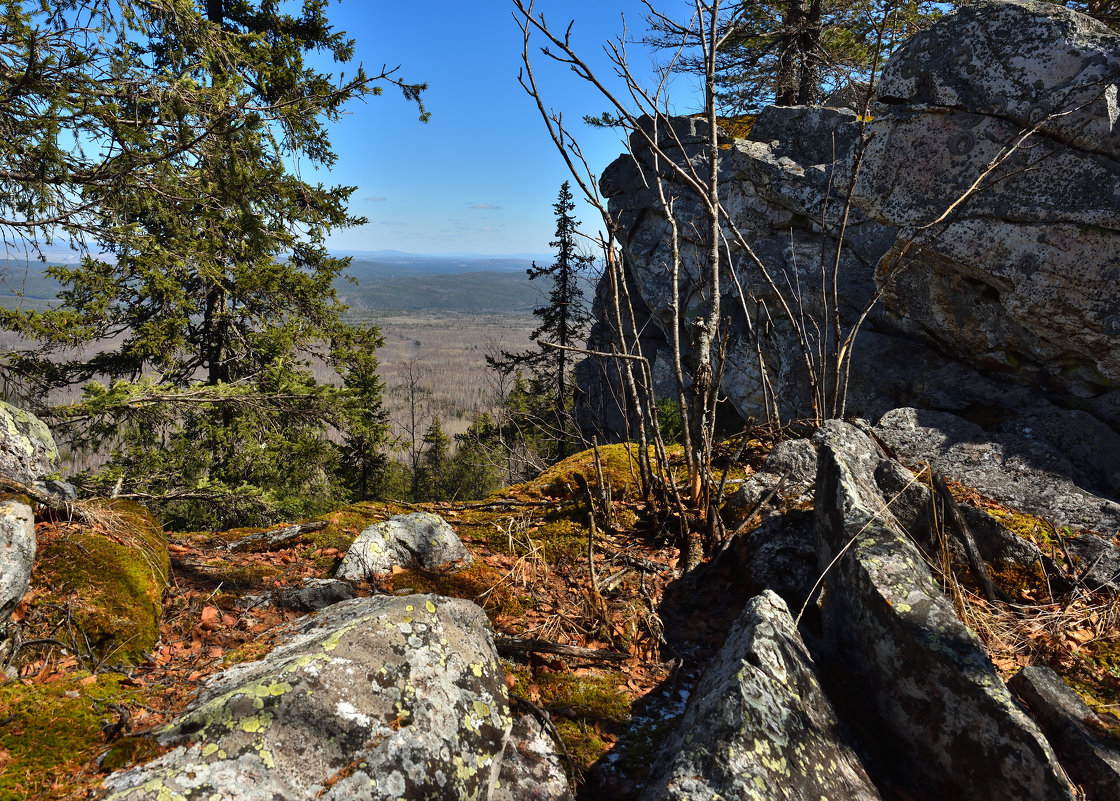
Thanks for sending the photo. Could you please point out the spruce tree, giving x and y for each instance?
(564, 320)
(792, 52)
(215, 309)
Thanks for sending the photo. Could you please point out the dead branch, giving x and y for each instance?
(515, 646)
(960, 528)
(277, 538)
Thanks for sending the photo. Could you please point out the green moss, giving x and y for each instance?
(620, 470)
(112, 579)
(52, 739)
(251, 576)
(589, 707)
(1026, 526)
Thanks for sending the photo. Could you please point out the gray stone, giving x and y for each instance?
(780, 555)
(939, 714)
(27, 449)
(1022, 61)
(1065, 718)
(375, 698)
(758, 726)
(17, 553)
(1021, 469)
(796, 458)
(1017, 290)
(420, 539)
(64, 490)
(532, 769)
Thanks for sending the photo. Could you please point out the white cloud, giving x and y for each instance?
(485, 206)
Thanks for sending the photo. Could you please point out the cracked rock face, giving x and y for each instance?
(758, 726)
(420, 539)
(375, 698)
(1019, 289)
(932, 704)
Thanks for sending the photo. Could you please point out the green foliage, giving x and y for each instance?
(795, 51)
(564, 322)
(198, 336)
(669, 420)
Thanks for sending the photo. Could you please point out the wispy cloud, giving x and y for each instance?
(485, 206)
(375, 199)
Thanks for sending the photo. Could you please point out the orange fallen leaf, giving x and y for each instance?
(88, 680)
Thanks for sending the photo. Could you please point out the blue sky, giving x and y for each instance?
(482, 175)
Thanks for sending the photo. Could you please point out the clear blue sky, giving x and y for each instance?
(482, 175)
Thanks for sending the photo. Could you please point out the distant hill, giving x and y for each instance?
(473, 292)
(390, 282)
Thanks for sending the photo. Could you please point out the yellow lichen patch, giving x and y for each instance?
(737, 127)
(111, 578)
(53, 733)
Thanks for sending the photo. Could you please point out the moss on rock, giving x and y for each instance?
(111, 578)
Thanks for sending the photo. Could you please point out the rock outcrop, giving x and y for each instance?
(758, 725)
(942, 717)
(375, 698)
(1015, 290)
(420, 539)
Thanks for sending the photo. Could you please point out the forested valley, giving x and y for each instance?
(788, 469)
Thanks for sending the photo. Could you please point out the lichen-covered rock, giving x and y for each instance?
(1018, 289)
(374, 698)
(532, 769)
(938, 713)
(1093, 764)
(420, 539)
(17, 553)
(758, 726)
(1018, 60)
(780, 555)
(27, 449)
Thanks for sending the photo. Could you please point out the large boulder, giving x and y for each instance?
(932, 704)
(420, 539)
(27, 449)
(374, 698)
(17, 553)
(758, 725)
(1017, 289)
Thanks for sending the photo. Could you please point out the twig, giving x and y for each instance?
(959, 527)
(510, 646)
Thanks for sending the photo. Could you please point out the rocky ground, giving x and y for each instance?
(93, 679)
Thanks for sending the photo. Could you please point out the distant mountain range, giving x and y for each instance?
(386, 281)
